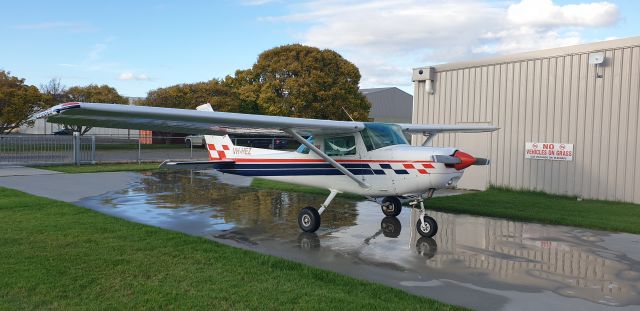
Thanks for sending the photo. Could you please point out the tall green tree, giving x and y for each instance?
(221, 96)
(18, 102)
(92, 94)
(303, 81)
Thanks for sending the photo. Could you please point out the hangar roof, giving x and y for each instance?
(568, 50)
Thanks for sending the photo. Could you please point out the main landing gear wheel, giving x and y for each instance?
(309, 219)
(427, 226)
(391, 206)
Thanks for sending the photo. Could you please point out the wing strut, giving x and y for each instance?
(326, 158)
(429, 138)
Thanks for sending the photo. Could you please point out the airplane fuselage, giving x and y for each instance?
(389, 171)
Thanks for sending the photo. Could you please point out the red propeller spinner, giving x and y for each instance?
(466, 160)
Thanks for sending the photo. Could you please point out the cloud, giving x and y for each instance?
(95, 52)
(130, 76)
(386, 38)
(546, 14)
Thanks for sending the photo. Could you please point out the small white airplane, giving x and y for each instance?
(366, 158)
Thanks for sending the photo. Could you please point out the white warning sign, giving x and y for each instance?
(548, 151)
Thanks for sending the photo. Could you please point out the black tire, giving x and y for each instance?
(391, 206)
(187, 142)
(391, 227)
(204, 143)
(430, 229)
(426, 247)
(309, 219)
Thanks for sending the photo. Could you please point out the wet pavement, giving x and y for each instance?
(478, 262)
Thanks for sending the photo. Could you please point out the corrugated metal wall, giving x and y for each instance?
(549, 99)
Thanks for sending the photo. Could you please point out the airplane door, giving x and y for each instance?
(377, 173)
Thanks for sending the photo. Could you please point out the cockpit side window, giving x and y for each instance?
(303, 149)
(340, 146)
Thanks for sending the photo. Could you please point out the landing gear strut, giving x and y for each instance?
(309, 217)
(426, 225)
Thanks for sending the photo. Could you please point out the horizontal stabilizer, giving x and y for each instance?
(196, 165)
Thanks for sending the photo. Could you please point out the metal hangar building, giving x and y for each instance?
(568, 117)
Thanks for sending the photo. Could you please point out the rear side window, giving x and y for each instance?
(340, 146)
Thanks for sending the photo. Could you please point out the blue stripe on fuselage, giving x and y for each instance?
(261, 166)
(293, 172)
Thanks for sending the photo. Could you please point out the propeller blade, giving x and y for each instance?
(482, 161)
(445, 159)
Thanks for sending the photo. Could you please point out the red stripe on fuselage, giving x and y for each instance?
(323, 161)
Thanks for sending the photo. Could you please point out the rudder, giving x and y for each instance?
(218, 146)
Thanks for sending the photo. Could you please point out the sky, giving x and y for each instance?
(137, 46)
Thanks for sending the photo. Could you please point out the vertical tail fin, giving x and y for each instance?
(218, 146)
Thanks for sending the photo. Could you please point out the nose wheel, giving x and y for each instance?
(426, 225)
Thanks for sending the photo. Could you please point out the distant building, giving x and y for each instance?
(389, 104)
(40, 126)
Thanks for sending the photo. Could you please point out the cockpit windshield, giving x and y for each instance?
(378, 135)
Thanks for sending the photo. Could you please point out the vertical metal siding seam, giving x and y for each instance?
(617, 124)
(636, 197)
(623, 128)
(570, 117)
(631, 135)
(515, 115)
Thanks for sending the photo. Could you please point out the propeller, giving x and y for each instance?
(460, 160)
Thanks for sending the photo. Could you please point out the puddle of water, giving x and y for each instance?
(490, 255)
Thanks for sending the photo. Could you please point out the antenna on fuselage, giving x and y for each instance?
(345, 111)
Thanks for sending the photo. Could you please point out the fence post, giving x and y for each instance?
(76, 148)
(93, 149)
(139, 155)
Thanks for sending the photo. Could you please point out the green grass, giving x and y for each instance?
(283, 186)
(95, 168)
(544, 208)
(56, 255)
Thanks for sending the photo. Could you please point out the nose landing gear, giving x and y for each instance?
(426, 225)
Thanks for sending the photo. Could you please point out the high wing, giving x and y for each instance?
(432, 129)
(185, 120)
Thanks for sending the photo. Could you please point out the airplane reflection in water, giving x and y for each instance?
(486, 252)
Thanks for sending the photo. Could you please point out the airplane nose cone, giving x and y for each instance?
(466, 160)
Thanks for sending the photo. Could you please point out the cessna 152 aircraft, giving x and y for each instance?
(366, 158)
